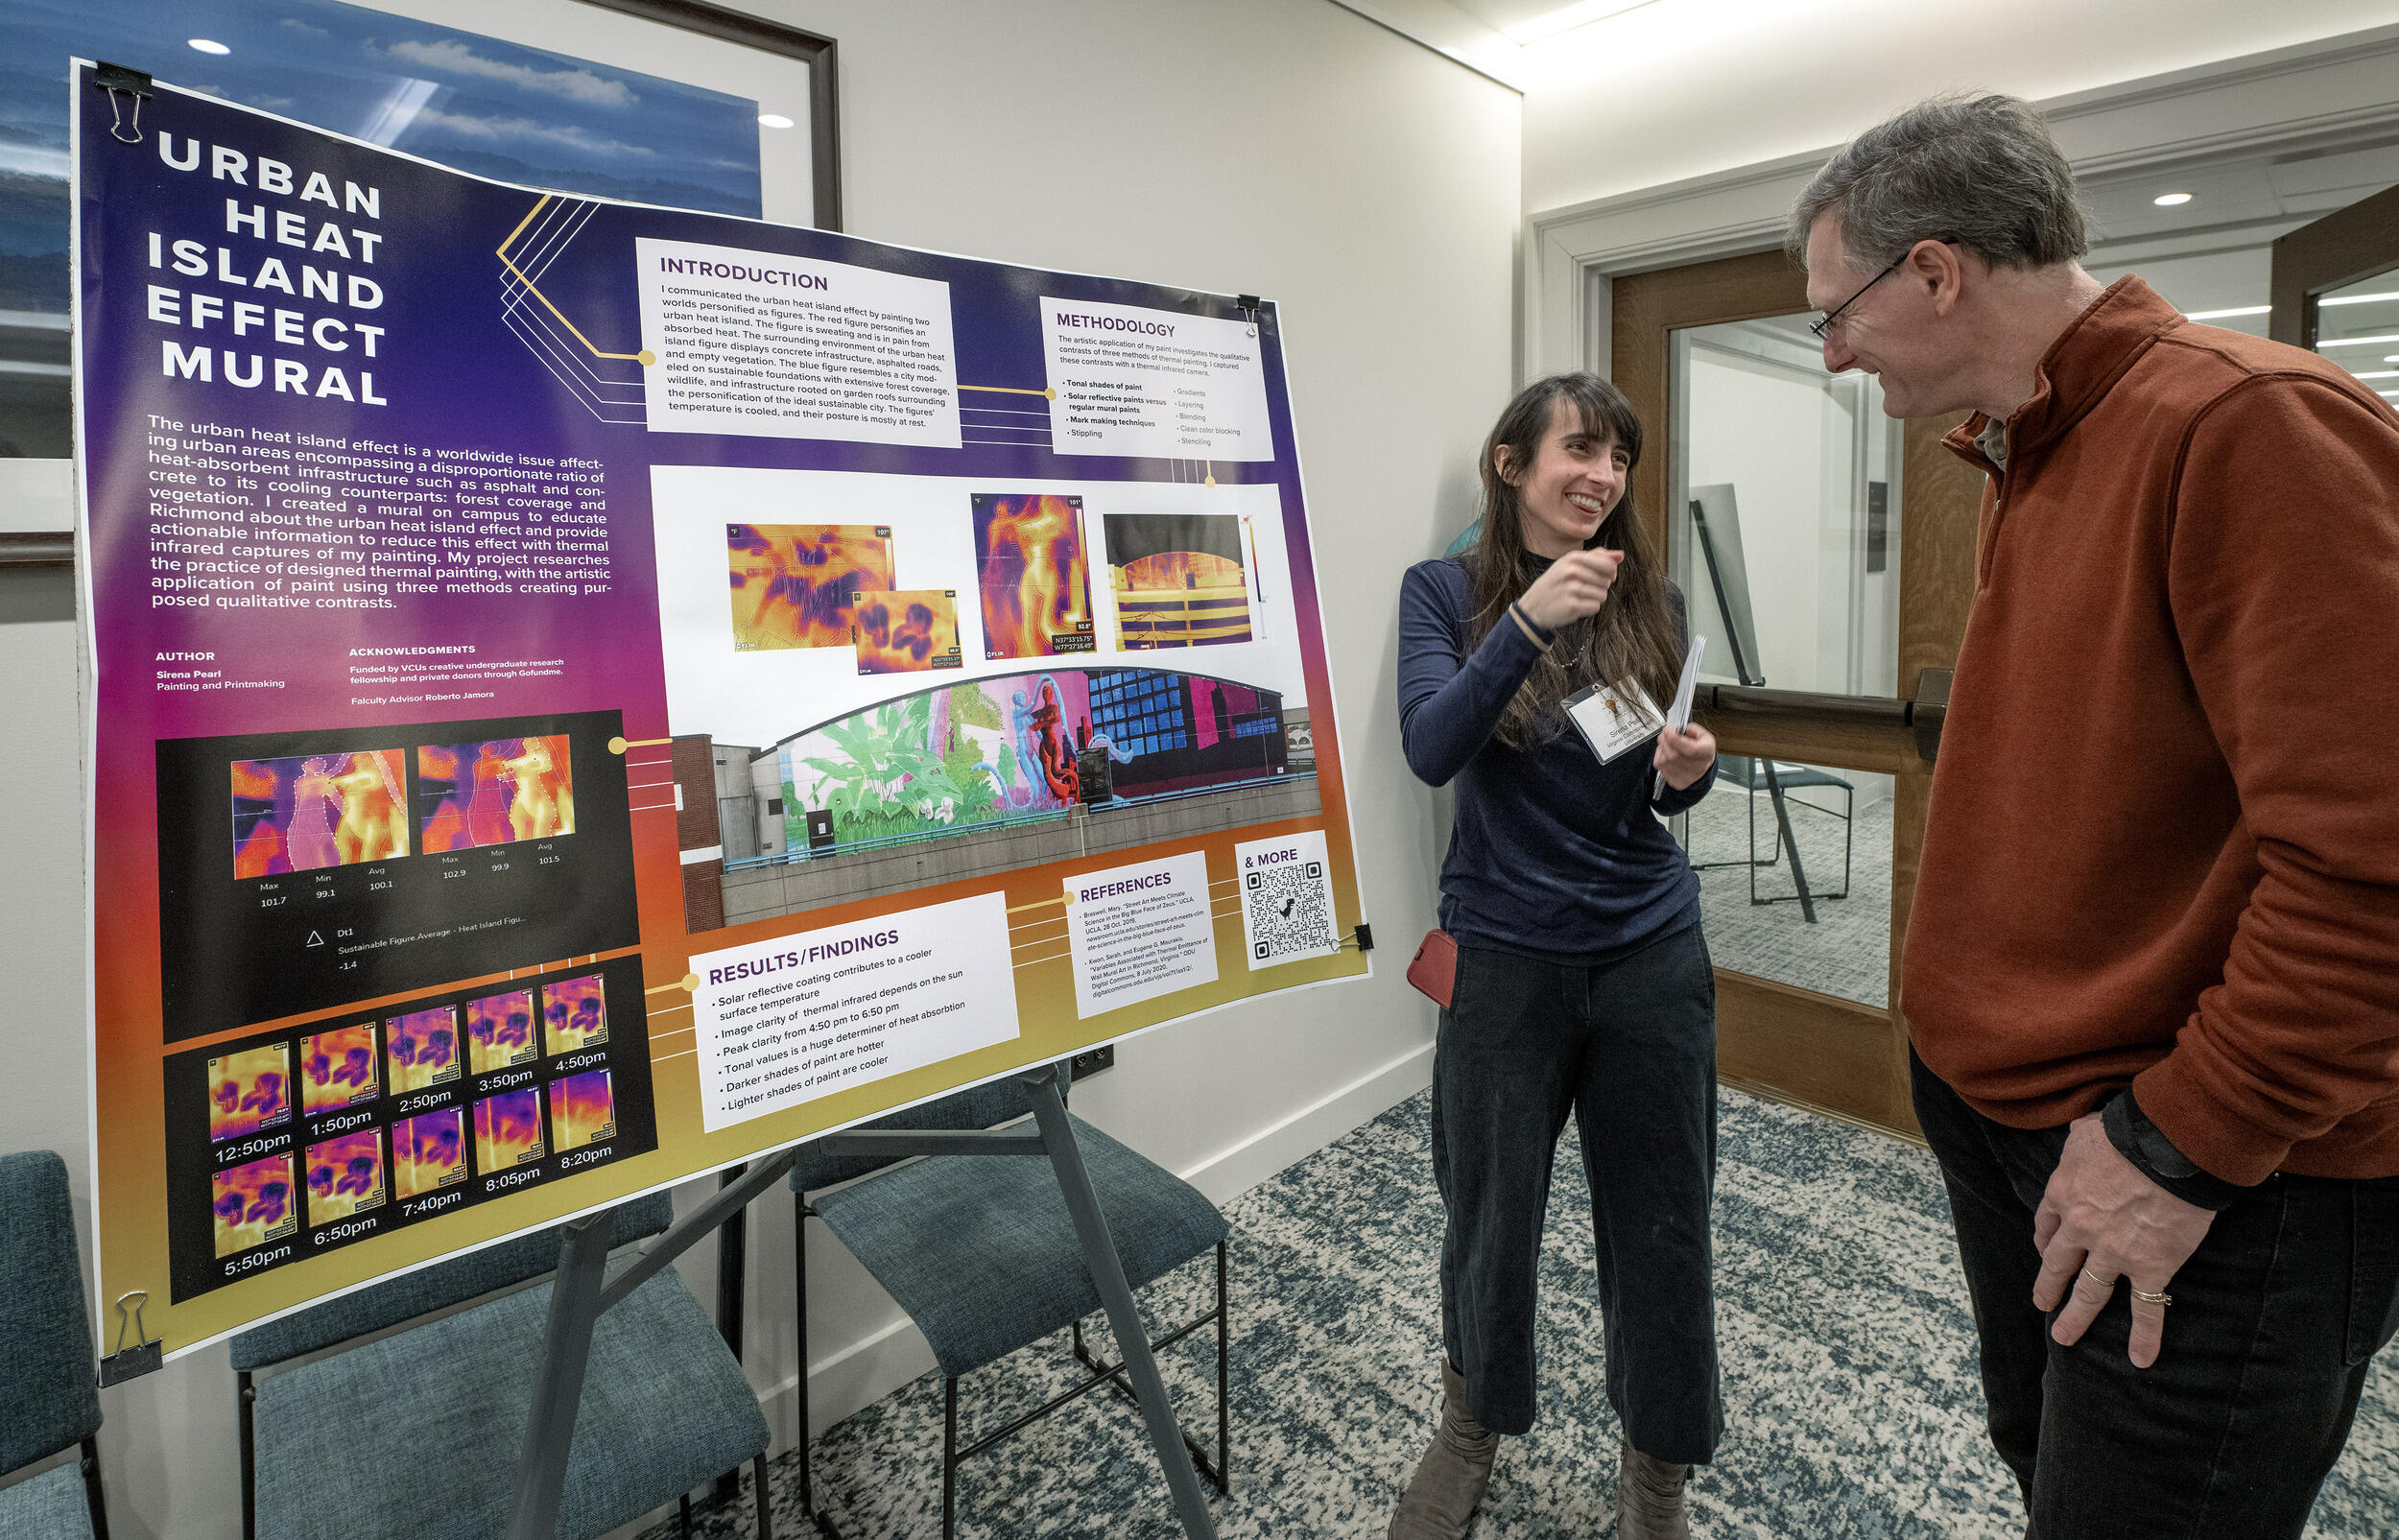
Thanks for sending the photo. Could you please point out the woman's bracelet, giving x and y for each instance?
(1524, 623)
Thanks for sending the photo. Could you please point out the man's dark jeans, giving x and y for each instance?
(2229, 1435)
(1629, 1049)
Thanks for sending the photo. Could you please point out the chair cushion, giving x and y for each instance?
(981, 1252)
(415, 1436)
(978, 1107)
(45, 1338)
(51, 1505)
(430, 1288)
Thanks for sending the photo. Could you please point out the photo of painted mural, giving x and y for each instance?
(994, 773)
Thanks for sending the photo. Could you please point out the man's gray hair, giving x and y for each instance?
(1980, 171)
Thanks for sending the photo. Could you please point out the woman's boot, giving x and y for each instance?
(1441, 1498)
(1648, 1498)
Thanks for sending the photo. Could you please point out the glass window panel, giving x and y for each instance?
(2358, 328)
(1840, 820)
(1784, 505)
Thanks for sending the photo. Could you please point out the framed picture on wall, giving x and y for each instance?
(671, 102)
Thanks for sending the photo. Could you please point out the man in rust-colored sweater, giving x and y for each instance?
(2152, 965)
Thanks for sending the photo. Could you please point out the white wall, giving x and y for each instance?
(1287, 148)
(1680, 88)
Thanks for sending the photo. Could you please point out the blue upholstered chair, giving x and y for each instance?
(981, 1252)
(415, 1435)
(49, 1399)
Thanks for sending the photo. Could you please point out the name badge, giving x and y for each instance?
(1613, 718)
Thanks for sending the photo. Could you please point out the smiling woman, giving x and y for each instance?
(686, 130)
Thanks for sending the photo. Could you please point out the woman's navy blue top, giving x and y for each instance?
(1555, 856)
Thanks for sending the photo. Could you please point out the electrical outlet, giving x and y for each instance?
(1092, 1061)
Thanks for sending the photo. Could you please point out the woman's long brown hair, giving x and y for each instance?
(1634, 635)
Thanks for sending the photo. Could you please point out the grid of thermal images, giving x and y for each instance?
(1178, 580)
(253, 1204)
(793, 584)
(1033, 574)
(337, 1068)
(249, 1091)
(906, 631)
(508, 1130)
(494, 791)
(423, 1046)
(429, 1152)
(345, 1175)
(582, 1110)
(317, 811)
(500, 1030)
(575, 1012)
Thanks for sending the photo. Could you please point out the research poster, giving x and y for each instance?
(584, 694)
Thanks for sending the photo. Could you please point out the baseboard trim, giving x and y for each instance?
(1268, 1152)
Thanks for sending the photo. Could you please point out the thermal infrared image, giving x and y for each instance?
(575, 1012)
(792, 582)
(582, 1110)
(254, 1204)
(337, 1068)
(490, 793)
(345, 1175)
(428, 1153)
(500, 1030)
(1178, 580)
(1033, 573)
(323, 810)
(508, 1130)
(249, 1091)
(906, 631)
(423, 1048)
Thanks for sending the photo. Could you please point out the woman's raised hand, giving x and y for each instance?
(1576, 585)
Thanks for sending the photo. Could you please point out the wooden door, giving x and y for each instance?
(1844, 1053)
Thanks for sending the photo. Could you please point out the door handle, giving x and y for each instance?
(1929, 709)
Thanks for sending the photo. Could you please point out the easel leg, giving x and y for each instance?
(1107, 1273)
(558, 1392)
(1782, 820)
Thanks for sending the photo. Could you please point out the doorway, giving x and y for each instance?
(1827, 554)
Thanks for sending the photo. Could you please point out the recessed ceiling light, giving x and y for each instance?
(2357, 341)
(2356, 299)
(2226, 315)
(774, 120)
(209, 45)
(2171, 200)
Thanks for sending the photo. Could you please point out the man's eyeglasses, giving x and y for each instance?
(1820, 327)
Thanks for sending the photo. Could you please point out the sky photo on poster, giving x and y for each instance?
(495, 108)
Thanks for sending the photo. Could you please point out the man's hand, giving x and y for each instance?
(1684, 754)
(2101, 1218)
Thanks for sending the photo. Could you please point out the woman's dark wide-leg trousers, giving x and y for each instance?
(1629, 1047)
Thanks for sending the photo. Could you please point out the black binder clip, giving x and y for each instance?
(146, 1354)
(121, 83)
(1247, 305)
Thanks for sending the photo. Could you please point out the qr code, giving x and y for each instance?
(1287, 900)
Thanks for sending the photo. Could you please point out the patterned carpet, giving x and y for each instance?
(1847, 1349)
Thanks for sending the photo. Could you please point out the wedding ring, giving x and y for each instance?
(2108, 1284)
(2148, 1299)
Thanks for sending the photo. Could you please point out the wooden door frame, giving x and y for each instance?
(1793, 1045)
(2343, 246)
